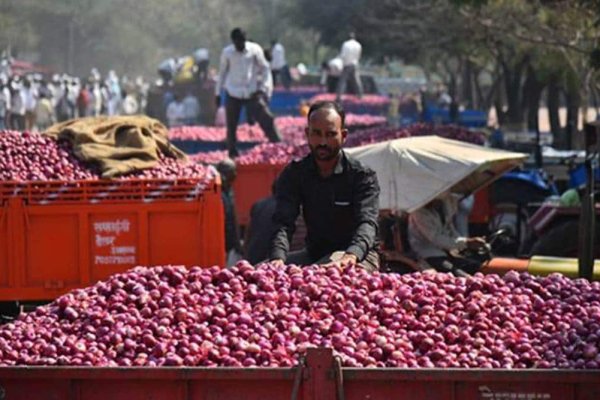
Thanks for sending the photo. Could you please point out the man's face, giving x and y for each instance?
(325, 135)
(240, 44)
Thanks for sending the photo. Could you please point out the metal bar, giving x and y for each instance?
(298, 378)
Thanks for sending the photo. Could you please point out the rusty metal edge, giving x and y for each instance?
(146, 373)
(475, 375)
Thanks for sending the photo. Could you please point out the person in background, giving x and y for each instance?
(175, 111)
(433, 236)
(191, 109)
(44, 112)
(350, 55)
(330, 74)
(242, 74)
(279, 66)
(461, 219)
(233, 245)
(114, 93)
(129, 105)
(65, 108)
(30, 97)
(4, 102)
(497, 138)
(95, 106)
(261, 229)
(201, 58)
(83, 101)
(338, 196)
(17, 106)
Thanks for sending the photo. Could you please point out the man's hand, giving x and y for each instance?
(475, 243)
(346, 260)
(218, 101)
(278, 263)
(258, 94)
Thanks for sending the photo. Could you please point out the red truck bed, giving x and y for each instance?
(319, 378)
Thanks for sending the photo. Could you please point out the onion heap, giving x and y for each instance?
(267, 316)
(26, 157)
(290, 128)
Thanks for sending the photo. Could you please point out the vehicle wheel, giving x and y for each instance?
(8, 310)
(561, 241)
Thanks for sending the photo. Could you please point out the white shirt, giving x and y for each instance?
(175, 113)
(351, 51)
(241, 74)
(191, 108)
(18, 103)
(4, 101)
(30, 98)
(429, 235)
(278, 56)
(201, 55)
(335, 67)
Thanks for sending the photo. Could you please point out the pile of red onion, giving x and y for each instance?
(272, 154)
(268, 316)
(290, 128)
(349, 100)
(32, 157)
(295, 147)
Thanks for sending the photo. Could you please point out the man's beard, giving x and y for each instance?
(324, 153)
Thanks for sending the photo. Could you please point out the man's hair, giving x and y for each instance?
(238, 34)
(328, 105)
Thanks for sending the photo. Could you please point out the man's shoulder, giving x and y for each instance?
(358, 166)
(228, 49)
(254, 47)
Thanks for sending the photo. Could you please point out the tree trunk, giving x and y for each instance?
(499, 106)
(553, 101)
(467, 92)
(573, 101)
(532, 93)
(512, 84)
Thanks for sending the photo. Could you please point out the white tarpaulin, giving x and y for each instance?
(413, 171)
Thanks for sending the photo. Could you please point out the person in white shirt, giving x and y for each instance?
(17, 106)
(330, 73)
(279, 66)
(243, 75)
(4, 102)
(31, 98)
(191, 109)
(350, 55)
(433, 236)
(176, 111)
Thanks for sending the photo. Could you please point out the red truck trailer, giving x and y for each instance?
(318, 376)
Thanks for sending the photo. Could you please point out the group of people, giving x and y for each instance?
(247, 74)
(33, 102)
(336, 199)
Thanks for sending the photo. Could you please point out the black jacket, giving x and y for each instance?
(340, 211)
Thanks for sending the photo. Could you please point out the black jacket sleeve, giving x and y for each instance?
(286, 212)
(366, 211)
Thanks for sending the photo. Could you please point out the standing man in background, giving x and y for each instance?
(243, 75)
(279, 65)
(4, 102)
(350, 55)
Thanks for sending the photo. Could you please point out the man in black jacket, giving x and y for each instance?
(338, 195)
